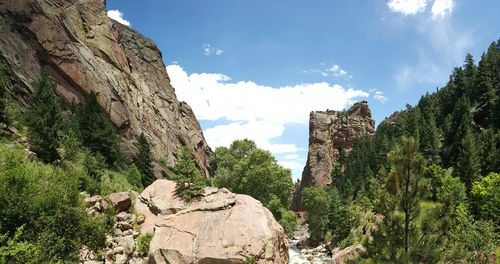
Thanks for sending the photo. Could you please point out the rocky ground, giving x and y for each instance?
(301, 253)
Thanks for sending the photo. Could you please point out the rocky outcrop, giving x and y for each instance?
(218, 227)
(346, 254)
(83, 51)
(330, 131)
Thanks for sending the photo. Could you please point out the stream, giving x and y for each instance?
(305, 256)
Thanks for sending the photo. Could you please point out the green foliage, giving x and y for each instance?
(134, 176)
(143, 161)
(486, 198)
(97, 133)
(44, 121)
(468, 164)
(112, 182)
(288, 221)
(42, 212)
(317, 203)
(470, 241)
(143, 242)
(418, 206)
(190, 180)
(244, 168)
(250, 260)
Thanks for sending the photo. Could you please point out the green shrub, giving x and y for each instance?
(42, 211)
(288, 221)
(143, 242)
(112, 182)
(250, 260)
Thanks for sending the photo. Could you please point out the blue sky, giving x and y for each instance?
(257, 68)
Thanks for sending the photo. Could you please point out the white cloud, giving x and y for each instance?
(258, 112)
(118, 16)
(407, 7)
(292, 157)
(292, 165)
(209, 50)
(335, 70)
(441, 8)
(380, 97)
(214, 97)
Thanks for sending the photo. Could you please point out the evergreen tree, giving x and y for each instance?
(414, 228)
(44, 120)
(3, 94)
(96, 131)
(470, 72)
(489, 153)
(143, 161)
(486, 90)
(190, 180)
(468, 164)
(460, 125)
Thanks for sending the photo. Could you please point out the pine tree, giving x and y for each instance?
(461, 121)
(190, 180)
(44, 120)
(488, 152)
(3, 88)
(97, 132)
(468, 164)
(143, 161)
(470, 72)
(486, 91)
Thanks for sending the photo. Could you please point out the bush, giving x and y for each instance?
(143, 242)
(288, 221)
(41, 211)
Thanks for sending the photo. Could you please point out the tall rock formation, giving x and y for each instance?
(329, 131)
(83, 51)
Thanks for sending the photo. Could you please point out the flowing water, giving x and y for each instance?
(307, 256)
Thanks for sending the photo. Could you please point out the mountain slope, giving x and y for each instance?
(84, 51)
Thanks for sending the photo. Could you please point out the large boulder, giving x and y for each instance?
(121, 201)
(346, 254)
(329, 132)
(218, 227)
(84, 51)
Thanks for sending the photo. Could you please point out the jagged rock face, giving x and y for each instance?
(330, 131)
(83, 51)
(218, 227)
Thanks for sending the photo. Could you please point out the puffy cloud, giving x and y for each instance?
(118, 16)
(208, 50)
(248, 110)
(441, 8)
(407, 7)
(214, 97)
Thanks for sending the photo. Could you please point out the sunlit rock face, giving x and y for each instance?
(83, 50)
(217, 227)
(330, 131)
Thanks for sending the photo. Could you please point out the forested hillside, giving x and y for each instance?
(426, 187)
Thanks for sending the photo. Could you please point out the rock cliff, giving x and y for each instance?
(83, 51)
(329, 131)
